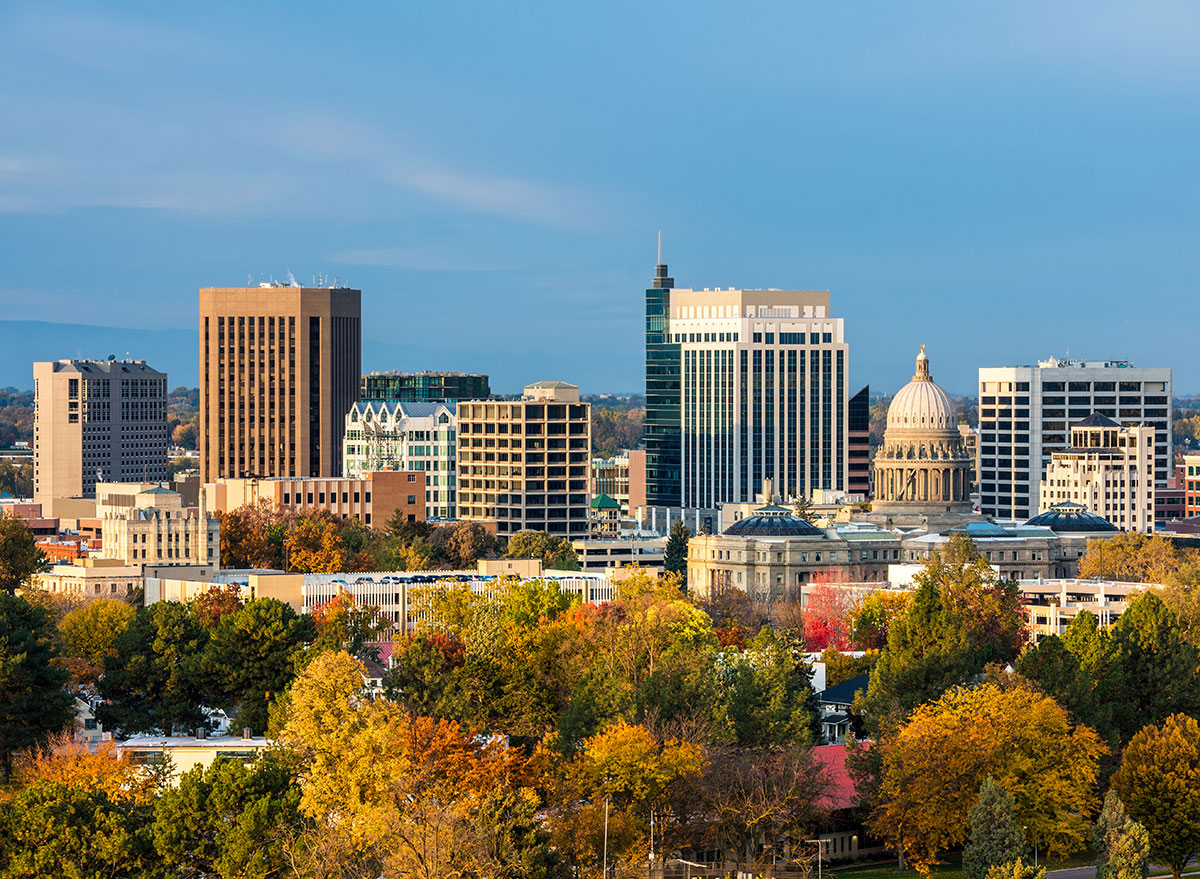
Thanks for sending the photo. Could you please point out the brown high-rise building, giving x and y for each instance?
(279, 370)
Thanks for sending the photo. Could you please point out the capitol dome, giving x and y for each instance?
(922, 404)
(923, 467)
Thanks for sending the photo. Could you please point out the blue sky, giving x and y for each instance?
(1000, 181)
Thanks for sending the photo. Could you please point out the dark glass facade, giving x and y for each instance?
(425, 387)
(859, 465)
(662, 426)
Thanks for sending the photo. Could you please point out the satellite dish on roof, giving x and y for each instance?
(112, 357)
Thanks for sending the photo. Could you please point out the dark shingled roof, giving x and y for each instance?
(1096, 420)
(843, 693)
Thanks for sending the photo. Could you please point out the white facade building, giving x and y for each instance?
(406, 436)
(1108, 469)
(1025, 413)
(763, 393)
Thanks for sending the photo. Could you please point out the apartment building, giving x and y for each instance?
(279, 369)
(96, 420)
(1025, 413)
(390, 435)
(1108, 469)
(524, 464)
(1191, 485)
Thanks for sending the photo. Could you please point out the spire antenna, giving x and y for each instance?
(660, 247)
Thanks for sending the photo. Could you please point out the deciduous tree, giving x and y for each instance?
(1159, 783)
(55, 829)
(226, 820)
(1159, 666)
(154, 683)
(933, 767)
(251, 656)
(555, 552)
(89, 633)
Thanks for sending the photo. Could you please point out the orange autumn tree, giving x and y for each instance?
(934, 765)
(398, 794)
(106, 768)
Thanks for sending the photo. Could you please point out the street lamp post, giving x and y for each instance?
(820, 843)
(606, 837)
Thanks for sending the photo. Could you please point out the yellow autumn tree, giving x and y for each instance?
(1159, 783)
(393, 793)
(314, 546)
(934, 765)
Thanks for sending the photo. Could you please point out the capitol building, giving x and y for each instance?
(923, 469)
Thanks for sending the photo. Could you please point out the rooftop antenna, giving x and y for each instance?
(659, 247)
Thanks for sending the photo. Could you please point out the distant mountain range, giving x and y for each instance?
(24, 341)
(176, 351)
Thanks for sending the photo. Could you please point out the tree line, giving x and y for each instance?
(261, 536)
(516, 725)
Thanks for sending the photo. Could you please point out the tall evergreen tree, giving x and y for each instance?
(154, 682)
(996, 837)
(675, 552)
(1122, 845)
(20, 557)
(32, 700)
(1160, 667)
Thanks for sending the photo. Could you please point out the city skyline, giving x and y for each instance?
(964, 178)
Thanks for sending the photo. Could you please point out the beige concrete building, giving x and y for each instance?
(763, 393)
(772, 554)
(524, 464)
(923, 470)
(93, 578)
(150, 526)
(96, 420)
(1109, 469)
(188, 752)
(1025, 411)
(279, 370)
(372, 498)
(1051, 605)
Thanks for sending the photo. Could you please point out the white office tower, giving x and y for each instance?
(763, 393)
(1026, 412)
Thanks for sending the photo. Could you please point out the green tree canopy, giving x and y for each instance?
(996, 836)
(1159, 783)
(90, 632)
(53, 829)
(154, 682)
(32, 700)
(251, 658)
(229, 820)
(962, 616)
(20, 557)
(675, 552)
(555, 552)
(1159, 666)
